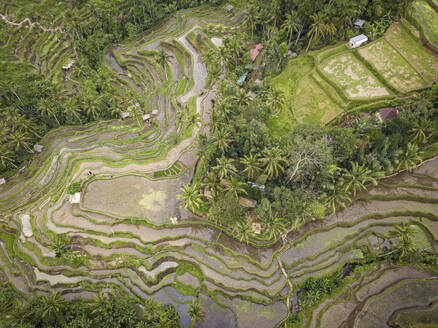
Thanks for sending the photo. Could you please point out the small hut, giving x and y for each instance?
(251, 95)
(146, 117)
(68, 66)
(256, 228)
(2, 181)
(124, 115)
(256, 51)
(38, 148)
(154, 112)
(229, 8)
(358, 41)
(246, 202)
(75, 198)
(258, 82)
(359, 23)
(385, 114)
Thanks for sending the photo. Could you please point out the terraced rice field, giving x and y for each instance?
(333, 80)
(428, 19)
(123, 236)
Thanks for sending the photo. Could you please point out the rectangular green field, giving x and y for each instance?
(428, 19)
(306, 101)
(353, 77)
(416, 54)
(392, 66)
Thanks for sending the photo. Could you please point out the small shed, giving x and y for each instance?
(146, 117)
(67, 66)
(75, 198)
(359, 23)
(259, 82)
(229, 8)
(251, 95)
(38, 148)
(358, 41)
(256, 228)
(154, 112)
(125, 115)
(385, 114)
(242, 79)
(256, 51)
(2, 181)
(246, 202)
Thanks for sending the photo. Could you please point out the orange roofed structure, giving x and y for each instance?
(256, 51)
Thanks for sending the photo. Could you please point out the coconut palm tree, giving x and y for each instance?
(225, 168)
(72, 110)
(405, 235)
(20, 139)
(410, 157)
(275, 99)
(276, 227)
(195, 311)
(420, 130)
(242, 229)
(235, 187)
(191, 197)
(273, 161)
(47, 109)
(292, 24)
(251, 18)
(162, 58)
(319, 27)
(51, 307)
(222, 139)
(252, 165)
(242, 98)
(338, 198)
(7, 157)
(210, 183)
(357, 177)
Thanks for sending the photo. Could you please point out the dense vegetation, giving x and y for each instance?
(109, 311)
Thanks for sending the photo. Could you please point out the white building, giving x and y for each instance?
(358, 41)
(76, 198)
(2, 181)
(38, 148)
(229, 8)
(359, 23)
(125, 115)
(146, 117)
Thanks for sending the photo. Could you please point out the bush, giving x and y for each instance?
(74, 188)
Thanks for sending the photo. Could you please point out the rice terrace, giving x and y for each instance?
(222, 164)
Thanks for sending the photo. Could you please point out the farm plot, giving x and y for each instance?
(392, 66)
(353, 77)
(428, 19)
(399, 37)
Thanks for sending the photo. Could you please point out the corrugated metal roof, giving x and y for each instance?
(359, 38)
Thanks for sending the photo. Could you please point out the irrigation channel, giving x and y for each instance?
(122, 233)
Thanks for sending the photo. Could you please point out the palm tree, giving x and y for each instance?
(420, 130)
(235, 187)
(225, 168)
(242, 229)
(275, 99)
(276, 228)
(274, 161)
(319, 27)
(7, 157)
(405, 235)
(20, 139)
(250, 18)
(210, 183)
(357, 177)
(242, 98)
(162, 58)
(72, 110)
(222, 138)
(46, 109)
(191, 197)
(51, 306)
(337, 198)
(292, 25)
(410, 157)
(195, 312)
(252, 168)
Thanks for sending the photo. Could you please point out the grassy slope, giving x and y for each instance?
(428, 18)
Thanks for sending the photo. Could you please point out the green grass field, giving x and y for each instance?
(392, 66)
(428, 19)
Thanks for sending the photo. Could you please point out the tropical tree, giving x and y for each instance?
(420, 130)
(225, 168)
(273, 161)
(195, 311)
(251, 18)
(47, 109)
(191, 197)
(276, 227)
(405, 235)
(242, 229)
(275, 99)
(292, 24)
(338, 198)
(52, 307)
(222, 139)
(210, 183)
(409, 157)
(357, 177)
(252, 165)
(20, 139)
(319, 27)
(162, 58)
(242, 98)
(7, 157)
(235, 187)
